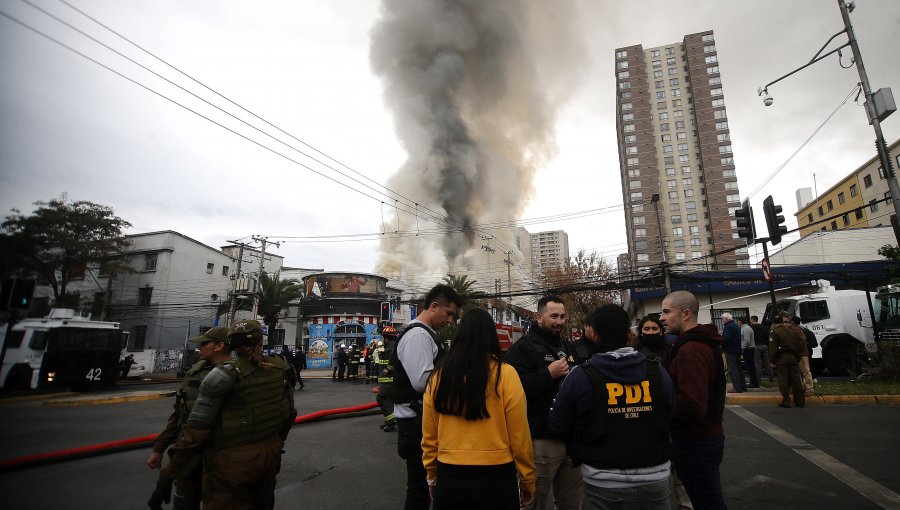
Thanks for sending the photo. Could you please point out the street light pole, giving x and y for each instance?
(665, 259)
(883, 153)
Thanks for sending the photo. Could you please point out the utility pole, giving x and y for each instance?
(508, 261)
(871, 112)
(107, 298)
(665, 258)
(487, 248)
(237, 276)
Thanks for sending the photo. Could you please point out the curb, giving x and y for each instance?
(775, 399)
(138, 396)
(31, 398)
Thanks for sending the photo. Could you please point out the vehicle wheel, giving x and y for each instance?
(845, 359)
(816, 366)
(19, 378)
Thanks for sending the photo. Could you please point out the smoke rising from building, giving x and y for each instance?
(474, 88)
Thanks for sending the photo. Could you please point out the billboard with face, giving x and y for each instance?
(344, 284)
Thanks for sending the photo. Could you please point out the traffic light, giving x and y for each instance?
(16, 293)
(774, 221)
(745, 224)
(385, 311)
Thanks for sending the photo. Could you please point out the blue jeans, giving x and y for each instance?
(735, 372)
(652, 496)
(697, 463)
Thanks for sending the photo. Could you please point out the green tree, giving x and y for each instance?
(59, 239)
(275, 296)
(892, 252)
(581, 282)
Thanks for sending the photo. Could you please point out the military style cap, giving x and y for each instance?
(245, 332)
(216, 334)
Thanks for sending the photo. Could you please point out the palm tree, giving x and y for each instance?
(464, 287)
(275, 296)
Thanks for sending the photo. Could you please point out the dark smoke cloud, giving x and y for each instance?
(474, 87)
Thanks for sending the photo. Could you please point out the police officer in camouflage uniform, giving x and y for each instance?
(239, 424)
(786, 343)
(213, 349)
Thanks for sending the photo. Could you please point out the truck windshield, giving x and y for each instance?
(780, 306)
(889, 316)
(83, 339)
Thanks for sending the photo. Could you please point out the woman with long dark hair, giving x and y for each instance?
(475, 436)
(651, 339)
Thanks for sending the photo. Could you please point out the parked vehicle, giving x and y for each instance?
(841, 321)
(61, 350)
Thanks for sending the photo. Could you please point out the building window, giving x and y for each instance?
(224, 270)
(658, 84)
(688, 192)
(632, 161)
(821, 212)
(718, 103)
(673, 195)
(654, 53)
(667, 149)
(626, 95)
(687, 181)
(723, 137)
(853, 190)
(657, 63)
(711, 59)
(627, 106)
(628, 116)
(628, 128)
(640, 245)
(658, 73)
(684, 158)
(670, 171)
(669, 160)
(661, 94)
(144, 296)
(685, 170)
(720, 114)
(664, 126)
(150, 262)
(622, 65)
(881, 172)
(640, 232)
(681, 135)
(859, 214)
(867, 181)
(138, 339)
(660, 105)
(809, 217)
(715, 91)
(724, 149)
(694, 230)
(624, 85)
(692, 217)
(631, 150)
(708, 38)
(676, 103)
(624, 74)
(727, 161)
(733, 197)
(690, 205)
(637, 196)
(666, 138)
(728, 173)
(712, 70)
(829, 205)
(637, 208)
(679, 124)
(841, 198)
(673, 71)
(678, 115)
(663, 116)
(621, 54)
(846, 219)
(678, 243)
(674, 207)
(634, 172)
(709, 48)
(643, 257)
(638, 220)
(677, 231)
(630, 138)
(209, 268)
(673, 82)
(833, 225)
(634, 184)
(716, 80)
(682, 147)
(873, 205)
(676, 93)
(731, 185)
(676, 219)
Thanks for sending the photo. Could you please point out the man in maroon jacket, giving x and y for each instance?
(698, 374)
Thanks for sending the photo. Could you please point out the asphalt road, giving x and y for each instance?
(350, 463)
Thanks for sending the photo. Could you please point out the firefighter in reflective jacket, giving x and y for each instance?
(386, 376)
(239, 424)
(212, 347)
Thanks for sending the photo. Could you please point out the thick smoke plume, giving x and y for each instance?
(474, 87)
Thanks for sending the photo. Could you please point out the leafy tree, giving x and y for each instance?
(59, 239)
(581, 283)
(275, 296)
(891, 252)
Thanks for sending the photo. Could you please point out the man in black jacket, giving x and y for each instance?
(761, 358)
(542, 360)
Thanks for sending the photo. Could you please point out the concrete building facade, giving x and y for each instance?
(853, 202)
(549, 250)
(677, 166)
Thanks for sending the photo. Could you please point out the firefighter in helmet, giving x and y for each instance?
(386, 376)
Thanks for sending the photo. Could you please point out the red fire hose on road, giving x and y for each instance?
(41, 459)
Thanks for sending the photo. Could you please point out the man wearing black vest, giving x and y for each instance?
(417, 351)
(615, 410)
(697, 369)
(542, 360)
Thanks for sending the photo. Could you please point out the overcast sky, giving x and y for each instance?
(70, 126)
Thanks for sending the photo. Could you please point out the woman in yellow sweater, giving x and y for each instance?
(475, 434)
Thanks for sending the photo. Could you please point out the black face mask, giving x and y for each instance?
(653, 341)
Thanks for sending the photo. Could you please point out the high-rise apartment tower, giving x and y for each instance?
(676, 162)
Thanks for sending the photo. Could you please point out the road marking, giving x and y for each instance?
(879, 494)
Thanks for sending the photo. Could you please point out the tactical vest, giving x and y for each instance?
(628, 427)
(190, 389)
(402, 391)
(257, 406)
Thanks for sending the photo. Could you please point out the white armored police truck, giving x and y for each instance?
(841, 321)
(59, 351)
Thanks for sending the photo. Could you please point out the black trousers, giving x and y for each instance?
(409, 447)
(476, 487)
